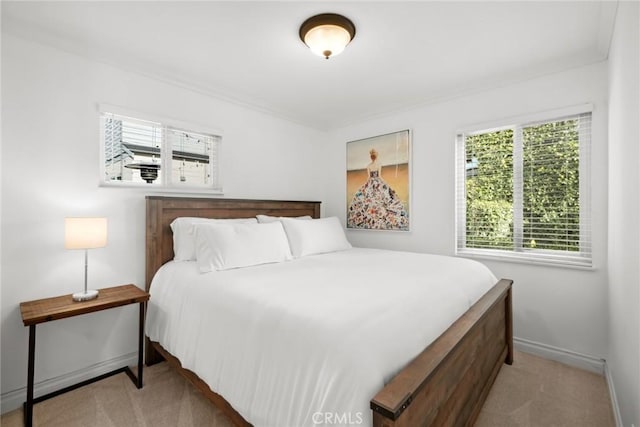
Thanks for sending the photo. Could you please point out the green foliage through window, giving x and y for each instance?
(522, 188)
(490, 190)
(551, 186)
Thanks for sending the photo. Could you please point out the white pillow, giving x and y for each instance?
(184, 238)
(263, 219)
(315, 236)
(225, 246)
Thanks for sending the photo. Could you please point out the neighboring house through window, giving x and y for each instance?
(162, 153)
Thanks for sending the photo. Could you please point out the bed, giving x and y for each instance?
(445, 384)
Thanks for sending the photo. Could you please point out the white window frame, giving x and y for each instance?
(581, 259)
(165, 182)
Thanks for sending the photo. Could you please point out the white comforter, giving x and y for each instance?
(310, 341)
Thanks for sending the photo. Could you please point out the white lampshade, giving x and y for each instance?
(85, 233)
(327, 34)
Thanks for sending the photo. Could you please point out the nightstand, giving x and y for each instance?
(48, 309)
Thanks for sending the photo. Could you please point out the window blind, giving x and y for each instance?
(185, 158)
(522, 191)
(128, 140)
(194, 158)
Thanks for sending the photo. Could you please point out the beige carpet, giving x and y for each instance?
(538, 392)
(532, 392)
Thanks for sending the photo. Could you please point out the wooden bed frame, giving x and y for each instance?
(445, 385)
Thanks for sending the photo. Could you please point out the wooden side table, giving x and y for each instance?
(48, 309)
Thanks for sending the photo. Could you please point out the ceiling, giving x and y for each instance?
(404, 53)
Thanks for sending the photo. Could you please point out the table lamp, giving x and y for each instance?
(85, 233)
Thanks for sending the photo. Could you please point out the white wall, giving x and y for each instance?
(624, 211)
(0, 202)
(561, 307)
(50, 170)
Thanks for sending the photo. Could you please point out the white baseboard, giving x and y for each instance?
(614, 399)
(15, 398)
(568, 357)
(578, 360)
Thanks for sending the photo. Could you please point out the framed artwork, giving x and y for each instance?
(378, 182)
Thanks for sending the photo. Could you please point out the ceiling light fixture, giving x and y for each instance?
(327, 34)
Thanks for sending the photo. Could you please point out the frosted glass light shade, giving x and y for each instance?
(85, 233)
(327, 40)
(327, 34)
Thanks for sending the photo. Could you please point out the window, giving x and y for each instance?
(159, 154)
(523, 192)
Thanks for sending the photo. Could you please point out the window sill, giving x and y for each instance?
(156, 188)
(577, 263)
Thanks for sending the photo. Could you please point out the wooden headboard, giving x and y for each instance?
(161, 211)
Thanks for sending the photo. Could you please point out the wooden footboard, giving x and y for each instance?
(447, 384)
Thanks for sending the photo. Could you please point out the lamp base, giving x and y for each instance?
(85, 296)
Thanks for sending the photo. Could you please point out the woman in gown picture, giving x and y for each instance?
(375, 205)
